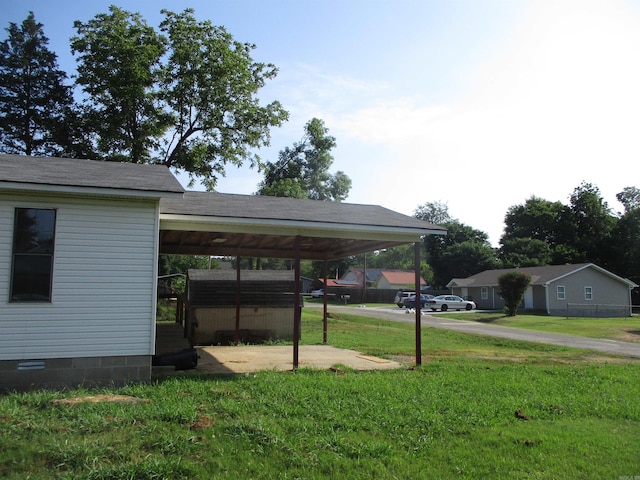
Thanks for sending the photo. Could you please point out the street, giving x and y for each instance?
(433, 319)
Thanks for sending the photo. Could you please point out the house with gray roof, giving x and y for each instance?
(79, 246)
(576, 290)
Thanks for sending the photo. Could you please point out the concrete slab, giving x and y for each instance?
(253, 358)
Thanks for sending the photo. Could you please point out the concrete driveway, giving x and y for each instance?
(628, 349)
(253, 358)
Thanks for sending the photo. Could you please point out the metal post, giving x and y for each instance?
(297, 309)
(324, 301)
(237, 332)
(364, 282)
(417, 246)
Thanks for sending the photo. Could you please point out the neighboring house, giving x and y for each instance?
(340, 283)
(398, 279)
(582, 289)
(78, 269)
(382, 279)
(356, 276)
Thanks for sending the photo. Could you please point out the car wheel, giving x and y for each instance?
(468, 307)
(443, 308)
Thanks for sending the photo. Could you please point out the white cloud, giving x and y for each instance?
(557, 106)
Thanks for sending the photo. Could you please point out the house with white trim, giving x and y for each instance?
(78, 269)
(576, 290)
(79, 246)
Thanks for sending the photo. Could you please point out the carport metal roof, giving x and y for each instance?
(208, 223)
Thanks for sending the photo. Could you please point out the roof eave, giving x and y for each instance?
(293, 227)
(87, 191)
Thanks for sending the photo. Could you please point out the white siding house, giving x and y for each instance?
(98, 324)
(79, 246)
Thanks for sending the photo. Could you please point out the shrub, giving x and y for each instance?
(512, 287)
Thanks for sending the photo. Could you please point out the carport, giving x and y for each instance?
(217, 224)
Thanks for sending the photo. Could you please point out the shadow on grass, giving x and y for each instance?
(490, 319)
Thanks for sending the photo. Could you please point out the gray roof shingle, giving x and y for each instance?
(68, 172)
(539, 275)
(278, 208)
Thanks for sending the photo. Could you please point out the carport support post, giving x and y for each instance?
(417, 247)
(324, 304)
(237, 332)
(296, 305)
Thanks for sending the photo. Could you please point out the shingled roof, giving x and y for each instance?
(539, 275)
(207, 223)
(20, 171)
(400, 277)
(225, 205)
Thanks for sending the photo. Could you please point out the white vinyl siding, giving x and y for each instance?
(103, 293)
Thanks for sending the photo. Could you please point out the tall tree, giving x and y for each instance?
(464, 251)
(36, 106)
(535, 234)
(302, 171)
(537, 218)
(592, 223)
(210, 84)
(625, 236)
(185, 96)
(625, 246)
(630, 198)
(118, 58)
(433, 212)
(524, 252)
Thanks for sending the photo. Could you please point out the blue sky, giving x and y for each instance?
(476, 104)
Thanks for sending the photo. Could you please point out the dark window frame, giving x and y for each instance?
(33, 248)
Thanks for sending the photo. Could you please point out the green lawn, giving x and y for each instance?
(477, 408)
(627, 329)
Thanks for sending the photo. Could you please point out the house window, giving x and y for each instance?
(484, 293)
(588, 293)
(560, 292)
(33, 241)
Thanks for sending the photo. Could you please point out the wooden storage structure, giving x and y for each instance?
(258, 308)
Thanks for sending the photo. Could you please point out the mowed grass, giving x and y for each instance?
(476, 408)
(626, 329)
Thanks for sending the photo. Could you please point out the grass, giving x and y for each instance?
(627, 329)
(391, 339)
(477, 408)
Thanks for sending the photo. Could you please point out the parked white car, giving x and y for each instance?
(449, 302)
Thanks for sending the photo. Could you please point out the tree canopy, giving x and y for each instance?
(184, 96)
(302, 171)
(591, 223)
(36, 106)
(464, 251)
(433, 212)
(630, 198)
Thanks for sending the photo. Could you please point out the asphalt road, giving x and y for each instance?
(628, 349)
